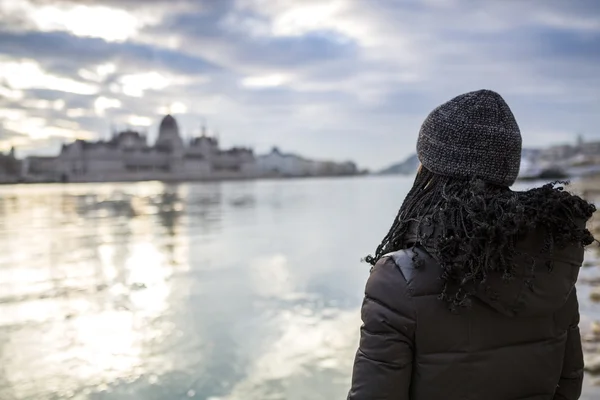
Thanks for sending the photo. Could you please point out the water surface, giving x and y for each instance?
(238, 290)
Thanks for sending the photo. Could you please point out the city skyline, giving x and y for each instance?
(301, 75)
(128, 156)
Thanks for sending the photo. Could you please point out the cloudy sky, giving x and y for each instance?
(336, 79)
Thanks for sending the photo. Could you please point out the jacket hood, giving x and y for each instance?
(542, 280)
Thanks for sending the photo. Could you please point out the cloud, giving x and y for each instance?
(306, 75)
(27, 74)
(137, 120)
(104, 103)
(65, 53)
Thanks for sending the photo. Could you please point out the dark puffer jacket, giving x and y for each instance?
(521, 343)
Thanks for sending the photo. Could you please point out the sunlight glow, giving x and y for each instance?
(10, 93)
(12, 114)
(79, 112)
(138, 120)
(134, 85)
(109, 340)
(147, 266)
(103, 70)
(103, 103)
(41, 104)
(174, 108)
(112, 25)
(6, 145)
(27, 74)
(178, 108)
(37, 128)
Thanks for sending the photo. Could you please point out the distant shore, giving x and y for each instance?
(200, 180)
(588, 187)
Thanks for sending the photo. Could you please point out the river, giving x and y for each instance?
(220, 291)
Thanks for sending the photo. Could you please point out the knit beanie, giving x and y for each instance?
(472, 135)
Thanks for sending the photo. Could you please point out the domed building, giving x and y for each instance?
(169, 138)
(126, 156)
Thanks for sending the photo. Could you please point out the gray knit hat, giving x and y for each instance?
(473, 135)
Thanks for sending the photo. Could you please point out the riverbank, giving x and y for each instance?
(589, 286)
(179, 180)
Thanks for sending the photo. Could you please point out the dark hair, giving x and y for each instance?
(478, 225)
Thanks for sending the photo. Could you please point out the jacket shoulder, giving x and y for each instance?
(420, 270)
(387, 295)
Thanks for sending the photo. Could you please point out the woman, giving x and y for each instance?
(472, 291)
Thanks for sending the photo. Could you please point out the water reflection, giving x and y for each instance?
(218, 291)
(85, 280)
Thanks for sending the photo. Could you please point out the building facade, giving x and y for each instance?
(128, 157)
(581, 153)
(10, 167)
(578, 159)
